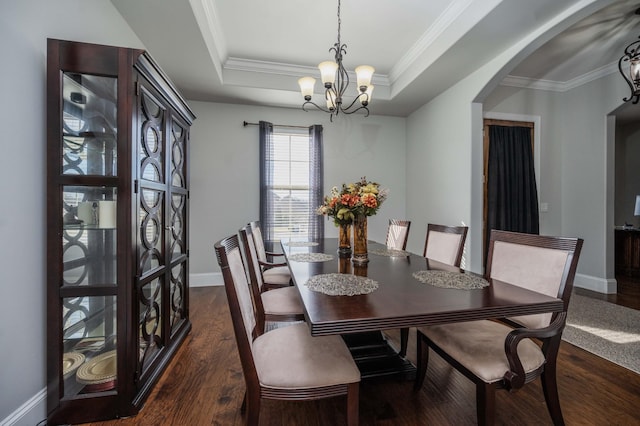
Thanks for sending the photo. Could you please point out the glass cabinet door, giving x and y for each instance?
(89, 125)
(88, 240)
(151, 223)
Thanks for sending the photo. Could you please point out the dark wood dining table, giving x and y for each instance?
(400, 300)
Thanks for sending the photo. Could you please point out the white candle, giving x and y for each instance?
(107, 214)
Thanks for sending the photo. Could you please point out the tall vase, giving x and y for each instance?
(344, 240)
(360, 254)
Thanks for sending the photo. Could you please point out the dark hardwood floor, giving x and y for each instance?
(628, 293)
(204, 386)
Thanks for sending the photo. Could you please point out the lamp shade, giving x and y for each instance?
(306, 86)
(328, 72)
(634, 70)
(637, 209)
(364, 74)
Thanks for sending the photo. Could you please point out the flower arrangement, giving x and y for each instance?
(359, 198)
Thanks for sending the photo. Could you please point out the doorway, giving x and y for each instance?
(510, 195)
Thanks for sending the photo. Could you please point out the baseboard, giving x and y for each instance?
(206, 280)
(32, 412)
(601, 285)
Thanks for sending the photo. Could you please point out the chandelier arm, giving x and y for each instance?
(626, 79)
(317, 106)
(357, 98)
(344, 111)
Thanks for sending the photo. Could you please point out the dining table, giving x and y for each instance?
(394, 289)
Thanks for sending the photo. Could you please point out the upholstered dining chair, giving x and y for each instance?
(279, 304)
(398, 234)
(274, 274)
(509, 353)
(443, 244)
(286, 363)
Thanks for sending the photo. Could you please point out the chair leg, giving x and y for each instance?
(253, 407)
(485, 404)
(353, 404)
(550, 390)
(404, 339)
(243, 407)
(422, 354)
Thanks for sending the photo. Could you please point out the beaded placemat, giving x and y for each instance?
(389, 252)
(300, 244)
(448, 279)
(310, 257)
(341, 284)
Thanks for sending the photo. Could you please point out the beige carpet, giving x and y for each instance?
(605, 329)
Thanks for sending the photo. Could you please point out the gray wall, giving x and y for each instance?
(225, 169)
(577, 168)
(24, 28)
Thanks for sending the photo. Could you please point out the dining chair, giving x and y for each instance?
(398, 234)
(286, 363)
(274, 274)
(508, 353)
(277, 305)
(443, 244)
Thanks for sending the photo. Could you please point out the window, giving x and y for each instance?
(291, 182)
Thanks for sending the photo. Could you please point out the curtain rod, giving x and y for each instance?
(246, 123)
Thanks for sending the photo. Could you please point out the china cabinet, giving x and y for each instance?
(117, 231)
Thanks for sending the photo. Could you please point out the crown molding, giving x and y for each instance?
(288, 70)
(559, 86)
(206, 16)
(429, 37)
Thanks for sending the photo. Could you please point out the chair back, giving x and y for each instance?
(255, 274)
(398, 234)
(256, 233)
(240, 302)
(540, 263)
(445, 243)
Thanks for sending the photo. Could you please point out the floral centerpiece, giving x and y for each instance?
(351, 204)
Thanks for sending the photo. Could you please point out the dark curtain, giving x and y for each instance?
(266, 177)
(512, 198)
(316, 181)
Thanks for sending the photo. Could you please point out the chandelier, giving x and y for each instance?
(336, 80)
(629, 66)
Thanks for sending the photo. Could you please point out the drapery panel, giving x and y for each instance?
(316, 181)
(512, 196)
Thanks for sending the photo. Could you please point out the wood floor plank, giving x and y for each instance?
(204, 386)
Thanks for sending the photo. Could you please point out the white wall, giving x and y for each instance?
(225, 168)
(24, 28)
